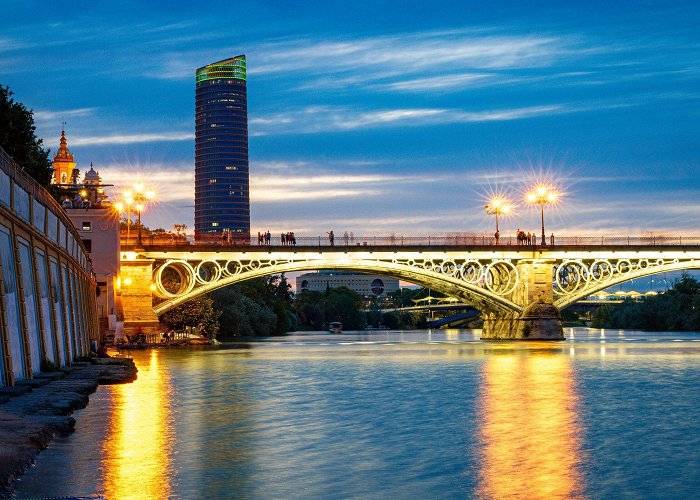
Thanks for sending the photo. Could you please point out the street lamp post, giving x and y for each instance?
(541, 195)
(496, 207)
(138, 200)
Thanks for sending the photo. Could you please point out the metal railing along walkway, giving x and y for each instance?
(415, 241)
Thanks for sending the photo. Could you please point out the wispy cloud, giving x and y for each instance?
(439, 83)
(457, 57)
(301, 181)
(314, 119)
(48, 115)
(102, 140)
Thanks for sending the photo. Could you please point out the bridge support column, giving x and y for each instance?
(137, 296)
(540, 319)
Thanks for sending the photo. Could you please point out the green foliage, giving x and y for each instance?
(18, 138)
(404, 320)
(255, 308)
(197, 312)
(317, 309)
(676, 310)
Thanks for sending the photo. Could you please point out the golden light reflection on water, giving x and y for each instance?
(529, 430)
(136, 453)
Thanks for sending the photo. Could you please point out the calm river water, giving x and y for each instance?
(604, 414)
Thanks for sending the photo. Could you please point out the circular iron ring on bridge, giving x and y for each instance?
(572, 275)
(471, 271)
(501, 277)
(187, 278)
(231, 271)
(449, 268)
(212, 274)
(601, 271)
(624, 266)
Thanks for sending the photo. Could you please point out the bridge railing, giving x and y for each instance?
(475, 240)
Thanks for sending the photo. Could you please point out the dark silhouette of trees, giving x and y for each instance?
(18, 138)
(316, 309)
(678, 309)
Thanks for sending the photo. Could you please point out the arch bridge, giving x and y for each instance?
(518, 289)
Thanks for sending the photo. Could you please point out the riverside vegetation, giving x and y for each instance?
(677, 309)
(267, 306)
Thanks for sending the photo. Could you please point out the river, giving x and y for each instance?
(604, 414)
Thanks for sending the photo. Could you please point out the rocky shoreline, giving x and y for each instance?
(34, 411)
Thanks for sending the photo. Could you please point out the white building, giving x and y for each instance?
(365, 284)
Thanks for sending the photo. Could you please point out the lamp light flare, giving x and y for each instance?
(139, 207)
(138, 187)
(127, 194)
(150, 195)
(83, 193)
(542, 194)
(119, 206)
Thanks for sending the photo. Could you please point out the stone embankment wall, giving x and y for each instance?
(33, 411)
(48, 308)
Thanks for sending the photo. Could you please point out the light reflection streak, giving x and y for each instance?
(137, 452)
(529, 431)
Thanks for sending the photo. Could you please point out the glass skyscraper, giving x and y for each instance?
(221, 187)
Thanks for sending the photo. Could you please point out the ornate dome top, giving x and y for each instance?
(92, 176)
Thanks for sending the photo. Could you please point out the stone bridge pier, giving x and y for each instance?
(539, 318)
(136, 291)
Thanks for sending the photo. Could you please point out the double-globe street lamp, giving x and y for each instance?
(542, 195)
(136, 199)
(497, 206)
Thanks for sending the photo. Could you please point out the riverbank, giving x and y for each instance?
(34, 411)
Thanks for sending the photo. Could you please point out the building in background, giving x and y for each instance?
(97, 222)
(367, 285)
(221, 192)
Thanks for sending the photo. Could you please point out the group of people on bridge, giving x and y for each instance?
(287, 239)
(526, 238)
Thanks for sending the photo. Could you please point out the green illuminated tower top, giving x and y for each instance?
(231, 68)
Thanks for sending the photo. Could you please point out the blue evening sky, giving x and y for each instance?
(384, 117)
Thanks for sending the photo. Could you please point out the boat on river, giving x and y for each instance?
(335, 327)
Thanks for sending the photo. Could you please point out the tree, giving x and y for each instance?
(257, 307)
(18, 138)
(335, 304)
(197, 312)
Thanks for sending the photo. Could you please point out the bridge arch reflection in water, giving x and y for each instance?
(530, 433)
